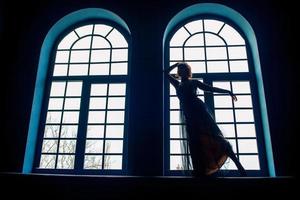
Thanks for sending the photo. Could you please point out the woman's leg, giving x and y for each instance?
(233, 157)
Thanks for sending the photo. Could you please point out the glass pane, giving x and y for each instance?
(53, 117)
(227, 130)
(237, 52)
(195, 40)
(99, 69)
(51, 131)
(97, 102)
(98, 89)
(217, 66)
(95, 131)
(116, 103)
(80, 56)
(239, 66)
(172, 90)
(84, 30)
(233, 144)
(229, 165)
(92, 162)
(224, 115)
(69, 131)
(231, 36)
(100, 55)
(101, 29)
(112, 162)
(250, 162)
(60, 70)
(197, 67)
(57, 89)
(212, 25)
(176, 54)
(222, 84)
(47, 161)
(241, 87)
(115, 117)
(195, 26)
(179, 37)
(49, 146)
(117, 89)
(83, 43)
(118, 68)
(246, 130)
(194, 54)
(175, 131)
(70, 117)
(175, 117)
(55, 103)
(119, 55)
(213, 40)
(113, 146)
(78, 70)
(223, 101)
(176, 163)
(245, 115)
(244, 101)
(176, 146)
(247, 145)
(174, 103)
(65, 162)
(99, 42)
(67, 146)
(117, 39)
(67, 41)
(216, 53)
(74, 88)
(96, 117)
(94, 146)
(114, 131)
(72, 104)
(62, 57)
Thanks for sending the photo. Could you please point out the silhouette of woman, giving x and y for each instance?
(208, 147)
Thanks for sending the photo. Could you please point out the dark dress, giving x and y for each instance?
(208, 147)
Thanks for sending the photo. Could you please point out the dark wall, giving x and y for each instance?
(23, 27)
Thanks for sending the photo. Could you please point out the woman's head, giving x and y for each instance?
(184, 70)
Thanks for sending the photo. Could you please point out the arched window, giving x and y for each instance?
(220, 54)
(83, 119)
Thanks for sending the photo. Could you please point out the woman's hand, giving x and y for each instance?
(234, 98)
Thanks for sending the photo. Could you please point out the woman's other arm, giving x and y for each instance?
(171, 78)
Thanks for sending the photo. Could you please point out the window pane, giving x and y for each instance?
(78, 70)
(237, 52)
(60, 70)
(117, 39)
(213, 40)
(227, 130)
(96, 117)
(176, 146)
(114, 131)
(195, 26)
(241, 87)
(57, 89)
(117, 89)
(53, 117)
(99, 42)
(217, 66)
(74, 88)
(119, 68)
(224, 115)
(49, 146)
(112, 162)
(243, 101)
(72, 104)
(175, 131)
(69, 131)
(179, 37)
(223, 101)
(67, 146)
(195, 40)
(80, 56)
(62, 57)
(176, 54)
(84, 30)
(47, 161)
(247, 145)
(216, 53)
(229, 165)
(94, 146)
(174, 103)
(212, 25)
(115, 116)
(113, 146)
(99, 69)
(231, 36)
(194, 54)
(70, 117)
(119, 55)
(67, 41)
(83, 43)
(101, 29)
(92, 162)
(116, 103)
(239, 66)
(233, 144)
(250, 162)
(172, 90)
(51, 131)
(65, 162)
(222, 84)
(98, 103)
(246, 130)
(176, 163)
(245, 115)
(95, 131)
(175, 117)
(100, 55)
(197, 67)
(98, 89)
(55, 103)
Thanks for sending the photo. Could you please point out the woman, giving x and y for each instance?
(208, 148)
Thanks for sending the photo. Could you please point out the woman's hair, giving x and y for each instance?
(184, 70)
